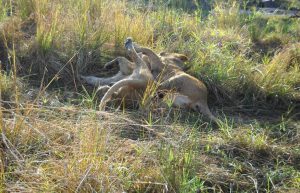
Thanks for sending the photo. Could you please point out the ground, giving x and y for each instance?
(54, 138)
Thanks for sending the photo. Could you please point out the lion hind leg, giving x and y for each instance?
(103, 89)
(116, 87)
(96, 81)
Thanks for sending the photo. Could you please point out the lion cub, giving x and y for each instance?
(125, 69)
(124, 94)
(138, 80)
(190, 92)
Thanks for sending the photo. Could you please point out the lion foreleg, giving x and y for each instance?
(155, 61)
(126, 67)
(96, 81)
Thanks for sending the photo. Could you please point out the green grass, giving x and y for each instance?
(6, 85)
(53, 139)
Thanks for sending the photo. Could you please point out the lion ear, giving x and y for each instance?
(182, 57)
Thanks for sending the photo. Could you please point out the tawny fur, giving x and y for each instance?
(191, 92)
(139, 79)
(126, 68)
(166, 68)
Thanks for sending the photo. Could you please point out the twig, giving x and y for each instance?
(153, 183)
(9, 147)
(255, 183)
(87, 171)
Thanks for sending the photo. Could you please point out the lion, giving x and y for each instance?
(139, 79)
(166, 69)
(190, 92)
(126, 67)
(127, 95)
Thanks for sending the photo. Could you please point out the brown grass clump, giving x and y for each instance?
(270, 44)
(69, 149)
(6, 86)
(10, 38)
(282, 74)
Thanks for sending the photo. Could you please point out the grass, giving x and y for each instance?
(53, 139)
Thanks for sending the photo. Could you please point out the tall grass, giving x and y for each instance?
(71, 39)
(73, 147)
(46, 32)
(281, 75)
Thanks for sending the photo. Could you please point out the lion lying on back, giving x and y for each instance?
(164, 69)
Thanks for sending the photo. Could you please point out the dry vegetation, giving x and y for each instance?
(53, 138)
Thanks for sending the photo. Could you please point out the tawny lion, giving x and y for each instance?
(191, 92)
(167, 68)
(126, 68)
(139, 79)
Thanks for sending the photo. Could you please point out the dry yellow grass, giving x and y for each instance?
(54, 142)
